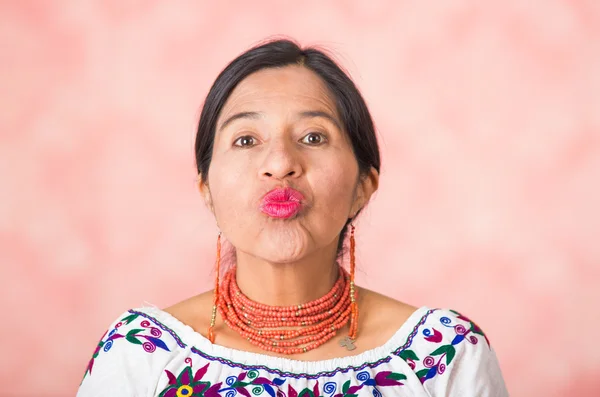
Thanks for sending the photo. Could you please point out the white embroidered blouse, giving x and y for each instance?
(148, 352)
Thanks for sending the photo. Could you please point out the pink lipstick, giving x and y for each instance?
(282, 203)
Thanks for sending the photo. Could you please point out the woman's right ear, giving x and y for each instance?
(204, 190)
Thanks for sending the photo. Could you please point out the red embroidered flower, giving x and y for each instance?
(186, 385)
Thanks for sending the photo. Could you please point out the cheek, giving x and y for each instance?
(334, 188)
(230, 184)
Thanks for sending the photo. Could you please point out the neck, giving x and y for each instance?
(286, 284)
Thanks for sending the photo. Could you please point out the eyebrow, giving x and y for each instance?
(241, 115)
(257, 115)
(319, 113)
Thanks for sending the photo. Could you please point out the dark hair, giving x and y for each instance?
(350, 104)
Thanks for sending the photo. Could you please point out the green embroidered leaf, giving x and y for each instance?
(409, 354)
(130, 318)
(422, 373)
(396, 376)
(345, 387)
(450, 354)
(133, 339)
(134, 331)
(350, 395)
(441, 350)
(306, 392)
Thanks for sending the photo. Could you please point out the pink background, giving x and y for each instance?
(489, 118)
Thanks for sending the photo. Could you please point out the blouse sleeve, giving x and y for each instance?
(461, 360)
(124, 362)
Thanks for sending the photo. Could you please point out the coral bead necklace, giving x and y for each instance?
(288, 329)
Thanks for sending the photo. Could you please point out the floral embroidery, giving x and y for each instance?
(134, 336)
(249, 383)
(135, 314)
(435, 366)
(383, 378)
(410, 357)
(258, 385)
(473, 327)
(96, 352)
(185, 385)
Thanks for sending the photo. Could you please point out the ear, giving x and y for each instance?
(367, 185)
(204, 190)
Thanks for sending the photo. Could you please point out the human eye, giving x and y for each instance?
(245, 141)
(314, 139)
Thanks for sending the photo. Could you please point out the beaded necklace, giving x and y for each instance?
(288, 329)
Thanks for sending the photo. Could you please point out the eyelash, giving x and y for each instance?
(242, 137)
(323, 137)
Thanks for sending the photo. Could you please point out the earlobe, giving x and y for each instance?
(209, 204)
(358, 204)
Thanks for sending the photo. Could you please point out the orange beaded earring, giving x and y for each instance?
(354, 303)
(213, 318)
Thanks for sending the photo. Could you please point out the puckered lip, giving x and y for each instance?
(282, 203)
(282, 195)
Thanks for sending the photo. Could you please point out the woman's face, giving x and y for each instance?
(280, 128)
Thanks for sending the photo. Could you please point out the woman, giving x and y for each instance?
(287, 158)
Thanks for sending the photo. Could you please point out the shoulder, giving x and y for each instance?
(451, 354)
(140, 330)
(195, 311)
(445, 332)
(130, 355)
(382, 310)
(380, 317)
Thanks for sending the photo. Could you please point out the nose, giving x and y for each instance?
(280, 162)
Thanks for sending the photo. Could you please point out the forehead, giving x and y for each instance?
(291, 88)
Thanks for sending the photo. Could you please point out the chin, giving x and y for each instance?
(282, 256)
(283, 251)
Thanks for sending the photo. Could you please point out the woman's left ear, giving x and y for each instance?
(367, 185)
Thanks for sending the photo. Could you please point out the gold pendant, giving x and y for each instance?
(347, 343)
